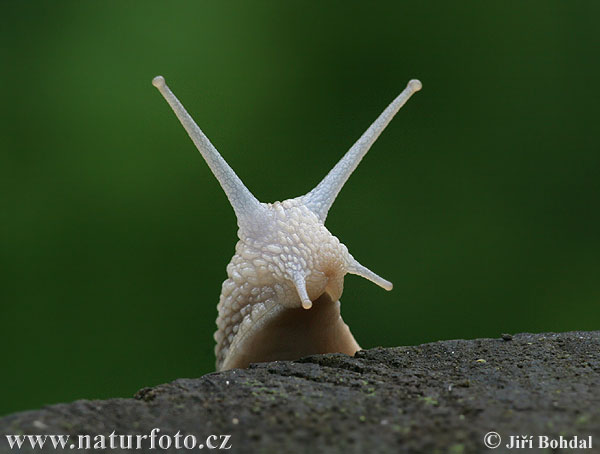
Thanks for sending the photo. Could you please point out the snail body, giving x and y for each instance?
(281, 298)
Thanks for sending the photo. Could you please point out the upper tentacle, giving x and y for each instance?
(320, 199)
(247, 208)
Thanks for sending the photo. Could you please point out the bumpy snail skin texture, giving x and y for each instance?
(281, 297)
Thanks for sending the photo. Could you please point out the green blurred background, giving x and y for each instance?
(480, 201)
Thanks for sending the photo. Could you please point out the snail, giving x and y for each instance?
(280, 300)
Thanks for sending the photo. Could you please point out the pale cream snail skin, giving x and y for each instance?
(280, 300)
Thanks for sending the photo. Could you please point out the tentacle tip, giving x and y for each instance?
(387, 285)
(415, 85)
(158, 81)
(306, 304)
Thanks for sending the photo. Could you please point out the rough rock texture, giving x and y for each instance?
(441, 397)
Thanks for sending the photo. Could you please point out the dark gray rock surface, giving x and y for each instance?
(441, 397)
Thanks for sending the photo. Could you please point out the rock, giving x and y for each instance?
(442, 397)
